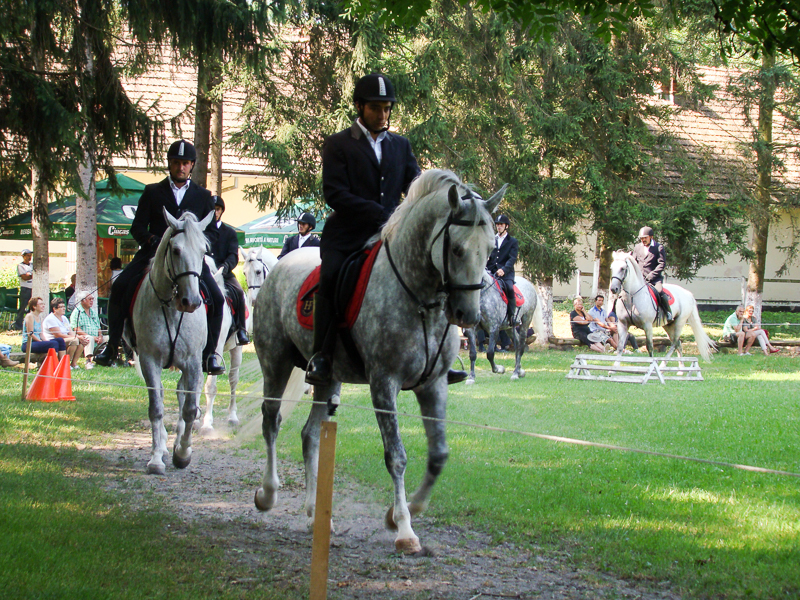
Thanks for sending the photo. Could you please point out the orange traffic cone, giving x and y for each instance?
(63, 379)
(43, 387)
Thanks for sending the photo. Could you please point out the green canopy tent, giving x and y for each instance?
(271, 231)
(114, 215)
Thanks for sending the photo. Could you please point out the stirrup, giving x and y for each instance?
(319, 370)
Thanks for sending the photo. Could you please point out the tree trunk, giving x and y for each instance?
(86, 229)
(40, 234)
(215, 161)
(604, 279)
(546, 296)
(208, 76)
(761, 213)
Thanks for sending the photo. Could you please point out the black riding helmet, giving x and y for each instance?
(308, 219)
(218, 201)
(374, 87)
(646, 231)
(182, 150)
(502, 219)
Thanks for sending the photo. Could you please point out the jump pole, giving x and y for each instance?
(321, 545)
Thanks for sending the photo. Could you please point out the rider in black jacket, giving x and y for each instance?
(502, 260)
(652, 258)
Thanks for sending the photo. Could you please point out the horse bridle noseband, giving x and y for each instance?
(266, 272)
(446, 287)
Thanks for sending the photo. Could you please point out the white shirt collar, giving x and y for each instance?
(179, 192)
(374, 142)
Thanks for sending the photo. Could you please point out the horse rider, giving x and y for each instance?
(365, 170)
(224, 249)
(306, 223)
(652, 258)
(178, 194)
(502, 260)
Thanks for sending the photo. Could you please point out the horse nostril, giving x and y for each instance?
(185, 301)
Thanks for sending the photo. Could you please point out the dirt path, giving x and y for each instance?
(216, 492)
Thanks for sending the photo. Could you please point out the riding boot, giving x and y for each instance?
(116, 323)
(665, 306)
(242, 339)
(320, 367)
(211, 363)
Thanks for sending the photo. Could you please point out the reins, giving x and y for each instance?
(631, 295)
(445, 288)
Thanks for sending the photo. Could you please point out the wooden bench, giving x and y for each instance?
(660, 344)
(634, 369)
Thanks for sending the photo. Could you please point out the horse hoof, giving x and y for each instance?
(470, 381)
(262, 502)
(408, 546)
(310, 526)
(521, 373)
(156, 469)
(234, 422)
(388, 520)
(514, 377)
(500, 370)
(181, 463)
(206, 430)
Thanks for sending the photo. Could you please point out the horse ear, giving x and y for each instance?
(492, 203)
(207, 220)
(453, 198)
(172, 221)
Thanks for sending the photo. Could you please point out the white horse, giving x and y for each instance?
(426, 278)
(170, 331)
(226, 343)
(258, 262)
(637, 307)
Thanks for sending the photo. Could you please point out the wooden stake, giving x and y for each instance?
(322, 515)
(27, 364)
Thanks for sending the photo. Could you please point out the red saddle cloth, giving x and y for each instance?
(655, 297)
(519, 298)
(305, 297)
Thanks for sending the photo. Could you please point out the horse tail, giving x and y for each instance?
(705, 345)
(538, 321)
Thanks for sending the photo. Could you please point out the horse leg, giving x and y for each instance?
(519, 348)
(433, 404)
(155, 392)
(276, 375)
(648, 332)
(473, 355)
(182, 450)
(310, 437)
(398, 518)
(211, 394)
(493, 335)
(233, 379)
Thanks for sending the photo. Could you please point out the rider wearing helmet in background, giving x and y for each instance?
(178, 194)
(502, 260)
(306, 223)
(365, 171)
(223, 247)
(652, 258)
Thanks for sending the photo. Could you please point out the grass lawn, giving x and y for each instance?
(705, 531)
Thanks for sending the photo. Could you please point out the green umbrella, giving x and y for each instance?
(114, 215)
(271, 231)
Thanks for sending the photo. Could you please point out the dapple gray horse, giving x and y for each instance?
(226, 343)
(258, 262)
(170, 331)
(637, 307)
(426, 278)
(493, 320)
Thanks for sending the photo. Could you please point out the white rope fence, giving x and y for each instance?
(541, 436)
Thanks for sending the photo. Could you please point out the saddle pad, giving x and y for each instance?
(655, 296)
(305, 297)
(519, 298)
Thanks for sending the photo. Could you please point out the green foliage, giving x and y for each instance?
(8, 277)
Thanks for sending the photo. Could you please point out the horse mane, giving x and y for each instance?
(424, 186)
(196, 241)
(623, 255)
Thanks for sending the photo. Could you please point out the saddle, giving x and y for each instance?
(351, 287)
(661, 317)
(518, 297)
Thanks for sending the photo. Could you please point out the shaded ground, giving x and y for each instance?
(215, 494)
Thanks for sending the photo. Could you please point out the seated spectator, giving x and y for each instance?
(753, 332)
(599, 324)
(56, 325)
(611, 319)
(579, 321)
(85, 321)
(69, 293)
(5, 356)
(732, 330)
(32, 330)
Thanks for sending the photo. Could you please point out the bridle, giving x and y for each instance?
(173, 278)
(266, 272)
(445, 288)
(631, 295)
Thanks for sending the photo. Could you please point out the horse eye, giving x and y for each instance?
(176, 251)
(458, 251)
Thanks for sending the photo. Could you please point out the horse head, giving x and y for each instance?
(257, 265)
(181, 252)
(622, 267)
